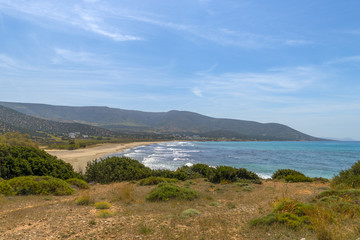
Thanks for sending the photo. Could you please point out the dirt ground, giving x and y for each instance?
(225, 211)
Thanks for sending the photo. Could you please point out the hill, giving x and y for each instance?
(172, 122)
(11, 120)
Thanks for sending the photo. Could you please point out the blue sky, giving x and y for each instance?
(291, 62)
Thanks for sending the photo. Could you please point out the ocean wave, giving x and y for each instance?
(264, 176)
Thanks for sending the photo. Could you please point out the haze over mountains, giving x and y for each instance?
(172, 122)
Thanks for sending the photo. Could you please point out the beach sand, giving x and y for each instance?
(80, 157)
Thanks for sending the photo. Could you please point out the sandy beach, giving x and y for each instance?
(80, 157)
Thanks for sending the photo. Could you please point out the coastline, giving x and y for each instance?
(80, 157)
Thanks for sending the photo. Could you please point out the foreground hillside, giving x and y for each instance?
(172, 122)
(225, 211)
(41, 197)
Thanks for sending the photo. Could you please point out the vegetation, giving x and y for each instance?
(190, 212)
(115, 169)
(290, 175)
(105, 214)
(78, 183)
(166, 191)
(18, 161)
(17, 139)
(348, 178)
(34, 185)
(226, 174)
(84, 200)
(331, 214)
(167, 122)
(102, 205)
(156, 180)
(32, 124)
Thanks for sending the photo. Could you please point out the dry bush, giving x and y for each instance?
(102, 205)
(123, 192)
(84, 199)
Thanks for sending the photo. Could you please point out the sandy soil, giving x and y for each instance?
(225, 211)
(80, 157)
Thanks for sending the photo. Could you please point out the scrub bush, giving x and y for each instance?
(16, 161)
(348, 178)
(81, 184)
(290, 175)
(166, 191)
(156, 180)
(34, 185)
(116, 169)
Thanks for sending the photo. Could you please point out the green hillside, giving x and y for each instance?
(172, 122)
(11, 120)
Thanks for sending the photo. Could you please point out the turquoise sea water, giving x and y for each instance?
(315, 159)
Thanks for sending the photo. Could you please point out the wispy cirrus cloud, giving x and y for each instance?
(7, 62)
(274, 81)
(76, 14)
(347, 59)
(84, 58)
(98, 17)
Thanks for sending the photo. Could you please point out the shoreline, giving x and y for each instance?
(79, 158)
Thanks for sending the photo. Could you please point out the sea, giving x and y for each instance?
(314, 159)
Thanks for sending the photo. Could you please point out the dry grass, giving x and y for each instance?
(32, 217)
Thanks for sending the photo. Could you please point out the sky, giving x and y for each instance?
(291, 62)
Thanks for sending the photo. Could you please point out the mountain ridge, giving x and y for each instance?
(12, 120)
(171, 122)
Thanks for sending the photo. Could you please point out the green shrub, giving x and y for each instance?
(203, 169)
(83, 200)
(291, 206)
(102, 205)
(297, 178)
(332, 195)
(348, 178)
(321, 179)
(116, 169)
(288, 219)
(292, 220)
(229, 174)
(288, 212)
(166, 191)
(81, 184)
(156, 180)
(265, 220)
(282, 173)
(190, 213)
(6, 189)
(105, 214)
(16, 161)
(165, 173)
(290, 175)
(43, 185)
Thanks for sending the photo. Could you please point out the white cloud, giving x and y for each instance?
(345, 60)
(297, 42)
(197, 92)
(81, 16)
(7, 62)
(65, 55)
(274, 81)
